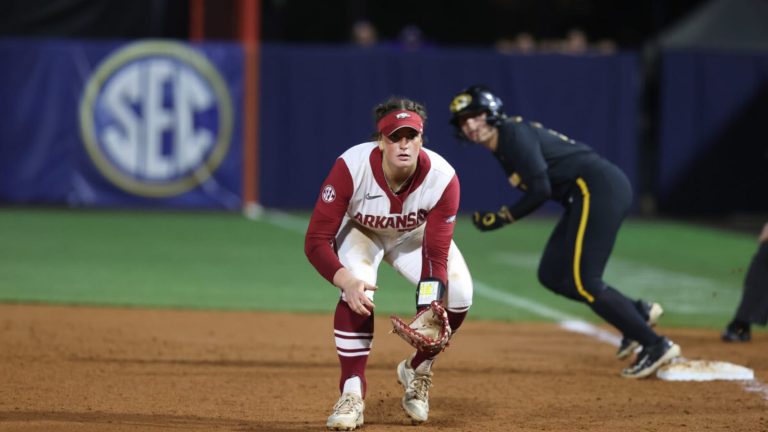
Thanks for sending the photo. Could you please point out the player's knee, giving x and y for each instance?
(460, 290)
(553, 281)
(560, 285)
(459, 296)
(591, 288)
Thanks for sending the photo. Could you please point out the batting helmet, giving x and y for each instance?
(474, 100)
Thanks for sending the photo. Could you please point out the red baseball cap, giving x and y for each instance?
(400, 119)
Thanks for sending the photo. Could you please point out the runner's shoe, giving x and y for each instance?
(651, 312)
(651, 358)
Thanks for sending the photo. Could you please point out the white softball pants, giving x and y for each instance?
(361, 251)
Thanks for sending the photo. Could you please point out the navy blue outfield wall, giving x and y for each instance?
(158, 123)
(318, 100)
(713, 154)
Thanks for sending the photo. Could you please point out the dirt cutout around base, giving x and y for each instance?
(115, 369)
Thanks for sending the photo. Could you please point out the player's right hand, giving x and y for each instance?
(357, 299)
(491, 220)
(354, 291)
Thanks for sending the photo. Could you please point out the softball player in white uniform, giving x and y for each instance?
(387, 200)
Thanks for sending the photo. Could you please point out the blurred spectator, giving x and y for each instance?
(523, 43)
(575, 42)
(411, 38)
(364, 34)
(605, 46)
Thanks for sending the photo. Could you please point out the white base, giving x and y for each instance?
(704, 370)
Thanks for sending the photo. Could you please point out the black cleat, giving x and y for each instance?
(651, 312)
(651, 358)
(736, 332)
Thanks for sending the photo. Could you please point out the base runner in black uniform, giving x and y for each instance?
(596, 195)
(753, 308)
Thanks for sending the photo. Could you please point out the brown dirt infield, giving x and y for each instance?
(115, 369)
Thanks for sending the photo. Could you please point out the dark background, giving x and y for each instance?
(442, 22)
(452, 22)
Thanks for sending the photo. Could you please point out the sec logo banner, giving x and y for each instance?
(156, 118)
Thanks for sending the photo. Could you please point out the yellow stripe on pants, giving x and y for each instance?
(580, 241)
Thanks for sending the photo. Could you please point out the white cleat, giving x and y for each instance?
(416, 398)
(347, 413)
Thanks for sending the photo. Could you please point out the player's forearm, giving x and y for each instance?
(322, 258)
(537, 194)
(434, 254)
(523, 208)
(342, 277)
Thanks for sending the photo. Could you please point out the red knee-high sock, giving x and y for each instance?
(354, 335)
(454, 319)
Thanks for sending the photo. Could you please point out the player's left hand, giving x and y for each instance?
(429, 331)
(491, 220)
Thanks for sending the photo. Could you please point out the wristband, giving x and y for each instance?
(427, 291)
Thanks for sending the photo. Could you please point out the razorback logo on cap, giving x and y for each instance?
(395, 120)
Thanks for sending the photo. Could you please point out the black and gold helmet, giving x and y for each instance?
(474, 100)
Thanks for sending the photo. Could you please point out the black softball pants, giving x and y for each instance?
(754, 300)
(579, 247)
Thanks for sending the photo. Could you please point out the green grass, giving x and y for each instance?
(223, 261)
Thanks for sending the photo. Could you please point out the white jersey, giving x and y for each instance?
(356, 190)
(373, 204)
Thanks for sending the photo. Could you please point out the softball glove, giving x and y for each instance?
(428, 331)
